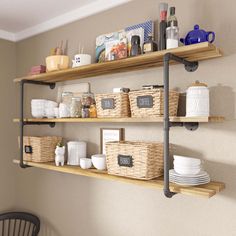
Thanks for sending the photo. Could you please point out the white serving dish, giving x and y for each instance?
(99, 161)
(85, 163)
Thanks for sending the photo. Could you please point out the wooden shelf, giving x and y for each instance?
(206, 190)
(127, 120)
(195, 52)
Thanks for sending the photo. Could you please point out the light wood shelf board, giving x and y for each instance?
(127, 120)
(194, 52)
(207, 190)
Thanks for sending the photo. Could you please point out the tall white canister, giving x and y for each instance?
(197, 101)
(76, 150)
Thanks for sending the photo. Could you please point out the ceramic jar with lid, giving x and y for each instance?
(76, 150)
(197, 101)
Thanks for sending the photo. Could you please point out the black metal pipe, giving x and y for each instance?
(167, 191)
(189, 66)
(22, 165)
(22, 122)
(51, 85)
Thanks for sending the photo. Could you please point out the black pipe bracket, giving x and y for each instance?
(190, 67)
(24, 123)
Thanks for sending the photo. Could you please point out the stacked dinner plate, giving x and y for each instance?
(188, 172)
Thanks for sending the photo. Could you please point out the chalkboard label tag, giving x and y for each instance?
(145, 101)
(124, 160)
(28, 149)
(108, 103)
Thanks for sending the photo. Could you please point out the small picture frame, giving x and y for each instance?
(108, 135)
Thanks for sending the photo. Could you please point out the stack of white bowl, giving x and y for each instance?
(188, 171)
(49, 108)
(37, 108)
(43, 108)
(187, 165)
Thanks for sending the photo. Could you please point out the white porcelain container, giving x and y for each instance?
(81, 60)
(197, 101)
(76, 150)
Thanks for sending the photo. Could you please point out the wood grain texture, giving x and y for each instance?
(127, 120)
(207, 190)
(195, 52)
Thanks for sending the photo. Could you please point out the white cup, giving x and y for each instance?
(81, 60)
(85, 163)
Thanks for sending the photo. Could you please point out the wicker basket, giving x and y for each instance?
(138, 160)
(40, 149)
(150, 103)
(114, 105)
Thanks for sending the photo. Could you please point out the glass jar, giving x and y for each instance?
(88, 99)
(76, 107)
(66, 98)
(93, 111)
(172, 37)
(85, 111)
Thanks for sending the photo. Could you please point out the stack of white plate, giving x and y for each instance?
(188, 171)
(43, 108)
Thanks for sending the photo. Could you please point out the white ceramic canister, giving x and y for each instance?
(197, 101)
(76, 150)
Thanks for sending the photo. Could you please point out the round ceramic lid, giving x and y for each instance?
(198, 84)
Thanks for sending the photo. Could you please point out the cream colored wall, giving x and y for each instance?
(71, 205)
(8, 132)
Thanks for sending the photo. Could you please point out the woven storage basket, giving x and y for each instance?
(114, 105)
(40, 149)
(138, 160)
(150, 102)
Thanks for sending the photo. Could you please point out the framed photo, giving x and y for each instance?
(108, 135)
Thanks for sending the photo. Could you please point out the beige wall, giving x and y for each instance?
(7, 130)
(71, 205)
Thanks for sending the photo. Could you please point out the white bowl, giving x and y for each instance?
(186, 171)
(99, 161)
(85, 163)
(187, 160)
(186, 164)
(190, 166)
(49, 112)
(50, 104)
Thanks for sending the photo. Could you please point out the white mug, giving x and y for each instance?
(81, 60)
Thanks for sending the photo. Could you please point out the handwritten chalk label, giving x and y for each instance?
(145, 101)
(108, 103)
(124, 160)
(28, 149)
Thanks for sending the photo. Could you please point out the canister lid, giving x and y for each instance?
(198, 84)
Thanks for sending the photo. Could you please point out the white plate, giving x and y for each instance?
(174, 173)
(190, 184)
(189, 179)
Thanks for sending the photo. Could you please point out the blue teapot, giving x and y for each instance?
(198, 36)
